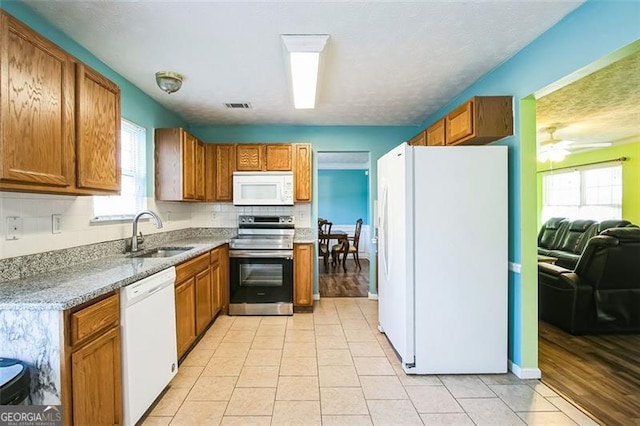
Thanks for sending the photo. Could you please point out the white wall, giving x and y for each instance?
(35, 211)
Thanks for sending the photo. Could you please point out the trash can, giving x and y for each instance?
(15, 382)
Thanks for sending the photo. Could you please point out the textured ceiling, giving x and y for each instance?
(386, 62)
(602, 107)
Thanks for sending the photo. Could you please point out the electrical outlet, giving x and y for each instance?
(56, 223)
(14, 227)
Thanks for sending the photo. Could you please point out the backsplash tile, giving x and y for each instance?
(35, 210)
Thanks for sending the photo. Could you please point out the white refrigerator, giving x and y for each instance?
(442, 235)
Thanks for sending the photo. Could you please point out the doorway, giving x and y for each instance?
(343, 199)
(598, 372)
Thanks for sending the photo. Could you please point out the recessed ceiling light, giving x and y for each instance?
(304, 60)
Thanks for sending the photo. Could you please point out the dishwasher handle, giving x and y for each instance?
(146, 287)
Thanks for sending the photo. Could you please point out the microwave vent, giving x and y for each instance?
(238, 105)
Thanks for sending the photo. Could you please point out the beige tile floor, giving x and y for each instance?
(333, 367)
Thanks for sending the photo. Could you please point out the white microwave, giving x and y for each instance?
(263, 188)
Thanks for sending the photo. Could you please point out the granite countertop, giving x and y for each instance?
(70, 286)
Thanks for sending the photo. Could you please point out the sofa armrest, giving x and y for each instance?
(551, 269)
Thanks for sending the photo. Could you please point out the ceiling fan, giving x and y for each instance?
(553, 149)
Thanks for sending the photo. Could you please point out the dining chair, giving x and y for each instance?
(337, 249)
(324, 228)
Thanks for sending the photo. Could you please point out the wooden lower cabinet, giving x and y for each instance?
(185, 315)
(92, 368)
(97, 381)
(303, 275)
(200, 295)
(204, 298)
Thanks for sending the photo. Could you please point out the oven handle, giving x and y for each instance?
(273, 254)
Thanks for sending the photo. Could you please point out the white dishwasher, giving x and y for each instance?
(149, 354)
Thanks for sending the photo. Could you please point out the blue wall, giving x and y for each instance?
(137, 106)
(343, 196)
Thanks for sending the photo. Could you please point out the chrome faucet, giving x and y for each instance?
(134, 238)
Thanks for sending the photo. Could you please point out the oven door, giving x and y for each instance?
(261, 282)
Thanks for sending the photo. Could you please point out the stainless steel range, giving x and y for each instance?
(261, 266)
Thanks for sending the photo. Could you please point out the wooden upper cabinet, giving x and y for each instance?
(200, 162)
(188, 166)
(460, 122)
(97, 131)
(302, 172)
(37, 130)
(261, 157)
(435, 134)
(249, 157)
(59, 119)
(278, 157)
(480, 120)
(419, 139)
(209, 172)
(225, 157)
(180, 161)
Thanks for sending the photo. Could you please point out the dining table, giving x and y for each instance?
(341, 237)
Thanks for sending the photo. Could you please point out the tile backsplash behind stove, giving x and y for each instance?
(35, 212)
(225, 215)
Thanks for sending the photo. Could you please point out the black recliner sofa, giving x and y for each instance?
(566, 240)
(602, 293)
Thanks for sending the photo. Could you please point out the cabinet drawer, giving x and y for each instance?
(192, 267)
(215, 256)
(94, 319)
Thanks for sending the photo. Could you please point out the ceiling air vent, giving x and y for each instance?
(238, 105)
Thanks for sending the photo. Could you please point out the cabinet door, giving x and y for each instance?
(188, 166)
(225, 164)
(200, 162)
(36, 108)
(459, 123)
(435, 133)
(302, 275)
(216, 290)
(419, 139)
(302, 173)
(96, 381)
(185, 315)
(203, 300)
(98, 131)
(279, 157)
(224, 278)
(249, 157)
(209, 172)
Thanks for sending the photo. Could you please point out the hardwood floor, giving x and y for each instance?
(599, 373)
(334, 282)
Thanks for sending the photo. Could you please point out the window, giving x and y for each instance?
(584, 193)
(132, 196)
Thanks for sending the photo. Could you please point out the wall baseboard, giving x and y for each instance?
(316, 296)
(524, 373)
(373, 296)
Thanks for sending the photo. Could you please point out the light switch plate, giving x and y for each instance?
(14, 227)
(56, 223)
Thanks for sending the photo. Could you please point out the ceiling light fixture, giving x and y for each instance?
(304, 63)
(169, 81)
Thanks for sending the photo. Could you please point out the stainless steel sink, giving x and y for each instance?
(162, 252)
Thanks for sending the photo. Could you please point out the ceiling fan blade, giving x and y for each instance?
(591, 145)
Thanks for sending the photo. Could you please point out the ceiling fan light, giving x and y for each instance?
(169, 81)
